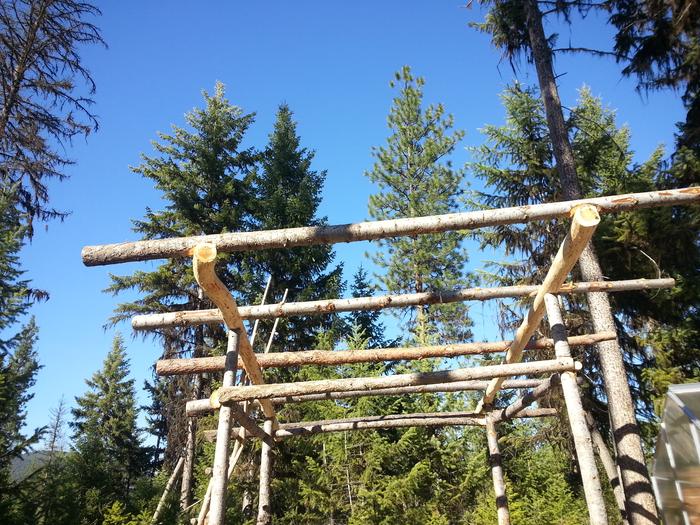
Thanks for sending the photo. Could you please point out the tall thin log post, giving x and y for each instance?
(584, 222)
(232, 461)
(219, 478)
(276, 323)
(609, 465)
(168, 488)
(264, 515)
(188, 467)
(641, 504)
(499, 484)
(577, 419)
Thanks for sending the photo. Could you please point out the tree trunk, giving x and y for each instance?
(641, 505)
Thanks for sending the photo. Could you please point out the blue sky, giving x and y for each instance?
(331, 62)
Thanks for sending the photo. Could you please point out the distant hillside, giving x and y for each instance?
(29, 463)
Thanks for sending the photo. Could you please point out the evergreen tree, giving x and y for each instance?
(205, 176)
(368, 322)
(288, 194)
(18, 359)
(415, 177)
(109, 456)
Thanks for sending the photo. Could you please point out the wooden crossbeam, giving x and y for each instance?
(198, 365)
(200, 407)
(584, 222)
(203, 261)
(227, 395)
(364, 231)
(332, 306)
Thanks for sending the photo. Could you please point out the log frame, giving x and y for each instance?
(584, 222)
(198, 365)
(499, 483)
(366, 231)
(378, 302)
(227, 395)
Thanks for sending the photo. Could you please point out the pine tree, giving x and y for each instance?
(106, 437)
(415, 177)
(288, 194)
(18, 358)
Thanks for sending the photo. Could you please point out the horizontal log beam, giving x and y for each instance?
(200, 407)
(331, 306)
(227, 395)
(199, 365)
(365, 231)
(438, 419)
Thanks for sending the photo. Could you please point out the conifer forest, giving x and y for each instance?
(383, 263)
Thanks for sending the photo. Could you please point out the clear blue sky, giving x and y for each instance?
(331, 62)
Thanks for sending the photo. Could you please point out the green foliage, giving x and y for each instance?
(518, 168)
(18, 360)
(287, 194)
(108, 457)
(415, 177)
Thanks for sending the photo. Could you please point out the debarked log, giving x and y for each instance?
(227, 395)
(331, 306)
(364, 231)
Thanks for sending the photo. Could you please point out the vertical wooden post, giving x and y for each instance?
(264, 515)
(577, 419)
(219, 478)
(188, 467)
(168, 488)
(609, 465)
(499, 484)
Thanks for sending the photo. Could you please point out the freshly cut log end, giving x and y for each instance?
(205, 252)
(214, 399)
(587, 215)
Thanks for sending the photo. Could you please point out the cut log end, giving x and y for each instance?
(586, 215)
(205, 252)
(214, 399)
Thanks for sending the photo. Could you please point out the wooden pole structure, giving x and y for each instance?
(200, 407)
(227, 395)
(264, 514)
(499, 483)
(257, 321)
(354, 304)
(219, 478)
(584, 222)
(436, 419)
(232, 461)
(608, 463)
(201, 365)
(203, 261)
(525, 400)
(274, 326)
(168, 488)
(577, 420)
(366, 231)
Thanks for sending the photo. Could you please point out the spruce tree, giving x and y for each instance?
(109, 456)
(288, 194)
(415, 177)
(205, 176)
